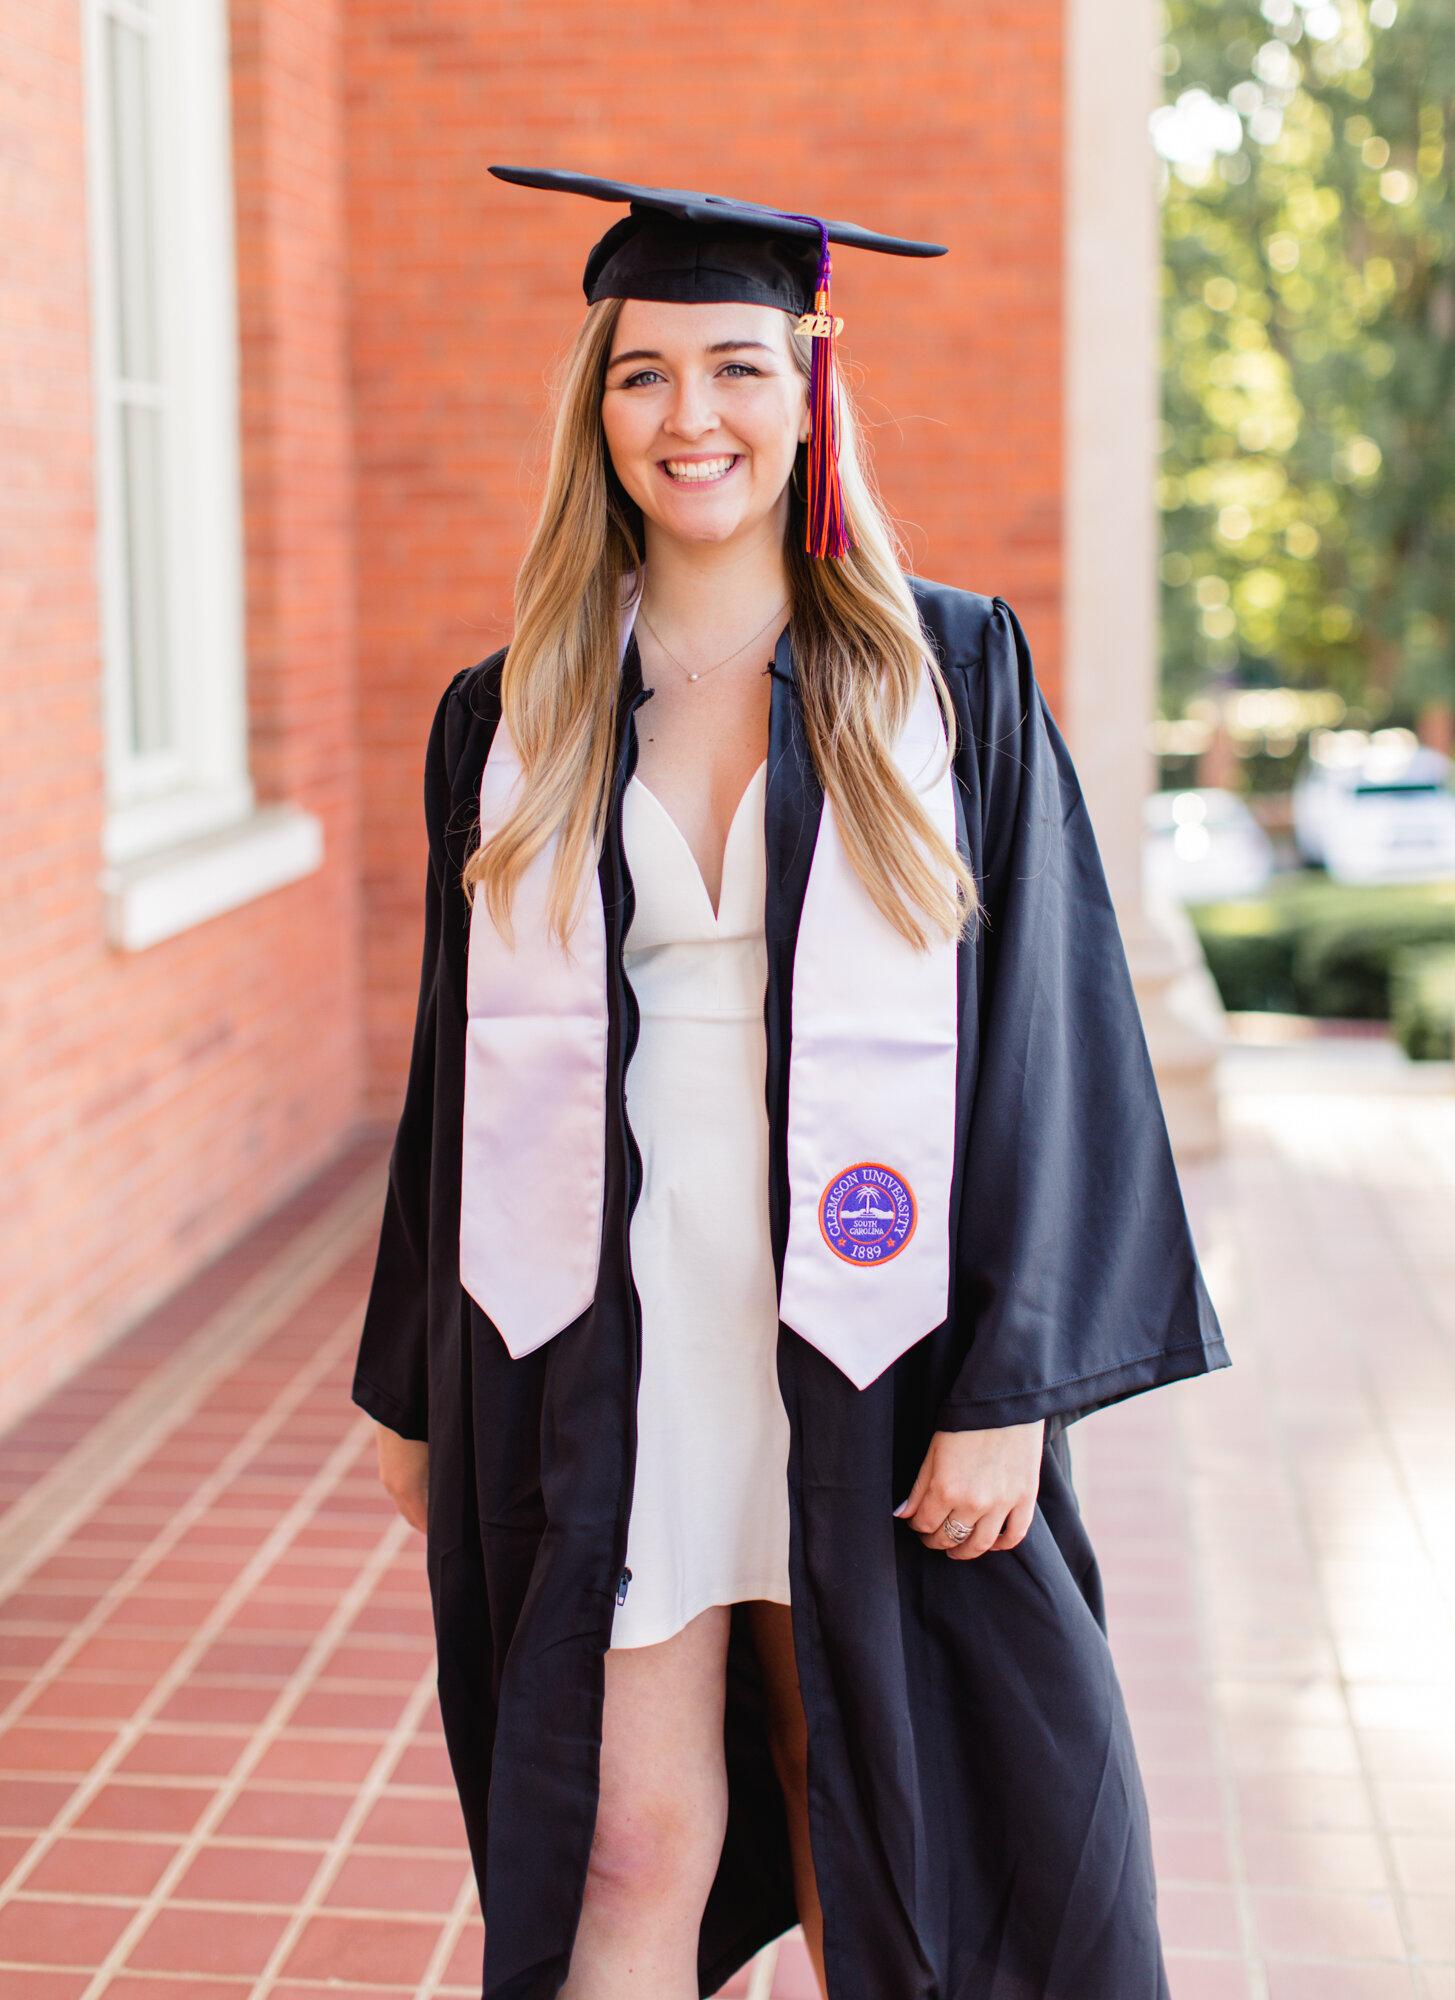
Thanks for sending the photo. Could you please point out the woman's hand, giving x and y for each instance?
(404, 1469)
(986, 1481)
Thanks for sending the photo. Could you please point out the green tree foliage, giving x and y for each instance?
(1308, 475)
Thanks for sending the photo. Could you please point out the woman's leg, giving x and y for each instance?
(788, 1738)
(660, 1819)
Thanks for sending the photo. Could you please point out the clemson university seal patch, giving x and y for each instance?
(867, 1213)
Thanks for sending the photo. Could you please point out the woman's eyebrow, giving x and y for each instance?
(718, 347)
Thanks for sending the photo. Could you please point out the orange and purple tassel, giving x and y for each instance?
(828, 533)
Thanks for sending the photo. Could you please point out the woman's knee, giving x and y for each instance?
(662, 1808)
(653, 1848)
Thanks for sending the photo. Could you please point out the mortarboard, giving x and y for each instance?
(703, 249)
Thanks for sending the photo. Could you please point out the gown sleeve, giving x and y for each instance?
(391, 1380)
(1076, 1282)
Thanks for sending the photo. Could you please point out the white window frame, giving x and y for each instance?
(159, 799)
(169, 810)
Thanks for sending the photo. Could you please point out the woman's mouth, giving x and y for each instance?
(698, 471)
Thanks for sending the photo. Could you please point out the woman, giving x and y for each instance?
(780, 1145)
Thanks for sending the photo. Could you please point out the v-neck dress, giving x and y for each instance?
(709, 1515)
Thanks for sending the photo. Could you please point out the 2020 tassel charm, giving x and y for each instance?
(828, 533)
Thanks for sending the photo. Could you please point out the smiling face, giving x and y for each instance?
(703, 410)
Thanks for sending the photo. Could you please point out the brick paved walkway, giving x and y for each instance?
(221, 1772)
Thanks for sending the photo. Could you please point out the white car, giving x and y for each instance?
(1375, 808)
(1202, 846)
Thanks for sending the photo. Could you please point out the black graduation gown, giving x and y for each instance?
(977, 1817)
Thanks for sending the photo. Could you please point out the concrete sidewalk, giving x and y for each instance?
(221, 1772)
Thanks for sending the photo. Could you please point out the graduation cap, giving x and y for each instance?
(703, 249)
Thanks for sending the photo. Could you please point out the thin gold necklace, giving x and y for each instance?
(705, 671)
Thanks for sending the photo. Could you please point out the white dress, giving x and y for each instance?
(709, 1519)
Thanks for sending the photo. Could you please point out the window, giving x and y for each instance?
(164, 322)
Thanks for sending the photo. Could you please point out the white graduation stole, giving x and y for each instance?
(871, 1099)
(533, 1172)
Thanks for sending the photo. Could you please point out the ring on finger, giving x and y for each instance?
(957, 1531)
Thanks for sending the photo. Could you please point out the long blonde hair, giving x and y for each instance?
(858, 651)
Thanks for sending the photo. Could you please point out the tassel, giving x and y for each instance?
(828, 534)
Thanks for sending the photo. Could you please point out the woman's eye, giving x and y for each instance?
(643, 375)
(740, 368)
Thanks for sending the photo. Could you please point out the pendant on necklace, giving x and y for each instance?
(692, 677)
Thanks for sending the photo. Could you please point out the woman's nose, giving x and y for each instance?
(692, 413)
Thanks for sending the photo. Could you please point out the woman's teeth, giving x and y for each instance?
(695, 471)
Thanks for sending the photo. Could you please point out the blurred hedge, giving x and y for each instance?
(1422, 996)
(1312, 946)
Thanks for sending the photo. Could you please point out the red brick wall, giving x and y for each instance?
(929, 119)
(154, 1104)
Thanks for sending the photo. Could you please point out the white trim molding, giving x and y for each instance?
(160, 895)
(1112, 260)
